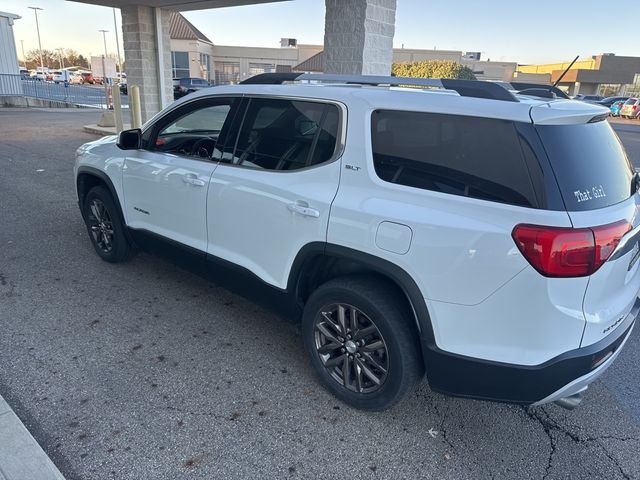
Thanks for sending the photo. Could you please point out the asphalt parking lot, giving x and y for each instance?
(144, 371)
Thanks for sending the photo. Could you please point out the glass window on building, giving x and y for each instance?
(205, 66)
(633, 90)
(609, 89)
(227, 72)
(180, 64)
(258, 68)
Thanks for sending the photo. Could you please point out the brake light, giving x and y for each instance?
(568, 252)
(634, 107)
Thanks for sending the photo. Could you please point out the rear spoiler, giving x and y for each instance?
(535, 89)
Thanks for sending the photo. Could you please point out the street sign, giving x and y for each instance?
(109, 67)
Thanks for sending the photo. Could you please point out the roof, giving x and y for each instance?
(314, 63)
(177, 5)
(11, 16)
(182, 29)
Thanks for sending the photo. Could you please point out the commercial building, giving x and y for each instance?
(606, 74)
(195, 55)
(483, 70)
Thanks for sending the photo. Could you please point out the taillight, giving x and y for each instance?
(634, 107)
(568, 252)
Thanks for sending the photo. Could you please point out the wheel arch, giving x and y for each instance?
(89, 177)
(319, 262)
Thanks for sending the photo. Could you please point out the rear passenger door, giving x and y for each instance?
(273, 188)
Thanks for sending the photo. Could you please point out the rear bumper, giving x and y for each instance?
(559, 377)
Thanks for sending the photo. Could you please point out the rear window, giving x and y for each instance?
(631, 101)
(590, 164)
(458, 155)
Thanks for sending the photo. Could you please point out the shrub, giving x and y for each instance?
(432, 69)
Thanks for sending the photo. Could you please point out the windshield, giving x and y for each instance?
(590, 164)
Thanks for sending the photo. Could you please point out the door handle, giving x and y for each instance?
(193, 179)
(302, 208)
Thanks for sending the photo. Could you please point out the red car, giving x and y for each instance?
(87, 77)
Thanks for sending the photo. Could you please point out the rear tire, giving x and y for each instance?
(362, 343)
(105, 226)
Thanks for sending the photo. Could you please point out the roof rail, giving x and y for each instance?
(465, 88)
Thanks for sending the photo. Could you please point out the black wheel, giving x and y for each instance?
(362, 342)
(105, 226)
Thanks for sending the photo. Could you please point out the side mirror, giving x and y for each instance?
(130, 139)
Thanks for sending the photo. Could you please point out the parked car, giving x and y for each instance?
(607, 102)
(59, 76)
(39, 74)
(86, 77)
(24, 73)
(631, 108)
(184, 86)
(588, 98)
(75, 78)
(616, 107)
(404, 239)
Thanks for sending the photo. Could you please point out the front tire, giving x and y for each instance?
(362, 343)
(105, 226)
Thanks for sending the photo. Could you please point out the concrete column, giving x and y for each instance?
(576, 88)
(147, 52)
(358, 36)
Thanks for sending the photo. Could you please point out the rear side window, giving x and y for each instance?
(591, 166)
(459, 155)
(280, 134)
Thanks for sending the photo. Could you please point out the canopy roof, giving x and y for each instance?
(177, 5)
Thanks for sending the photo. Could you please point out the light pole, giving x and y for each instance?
(60, 50)
(104, 69)
(24, 58)
(115, 29)
(35, 10)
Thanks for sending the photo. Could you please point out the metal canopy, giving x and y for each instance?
(177, 5)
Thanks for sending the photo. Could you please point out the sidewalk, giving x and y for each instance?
(21, 458)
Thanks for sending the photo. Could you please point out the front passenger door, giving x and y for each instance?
(165, 183)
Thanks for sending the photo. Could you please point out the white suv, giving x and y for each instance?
(483, 233)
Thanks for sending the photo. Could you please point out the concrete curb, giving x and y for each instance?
(102, 131)
(21, 458)
(27, 102)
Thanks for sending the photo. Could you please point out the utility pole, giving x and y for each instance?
(115, 29)
(35, 10)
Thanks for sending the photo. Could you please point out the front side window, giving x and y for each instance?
(454, 154)
(282, 134)
(193, 130)
(207, 120)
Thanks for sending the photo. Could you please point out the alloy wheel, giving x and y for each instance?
(351, 348)
(101, 225)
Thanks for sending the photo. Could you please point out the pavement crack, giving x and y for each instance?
(624, 474)
(442, 427)
(547, 425)
(550, 425)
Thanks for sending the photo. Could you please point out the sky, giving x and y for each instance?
(550, 31)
